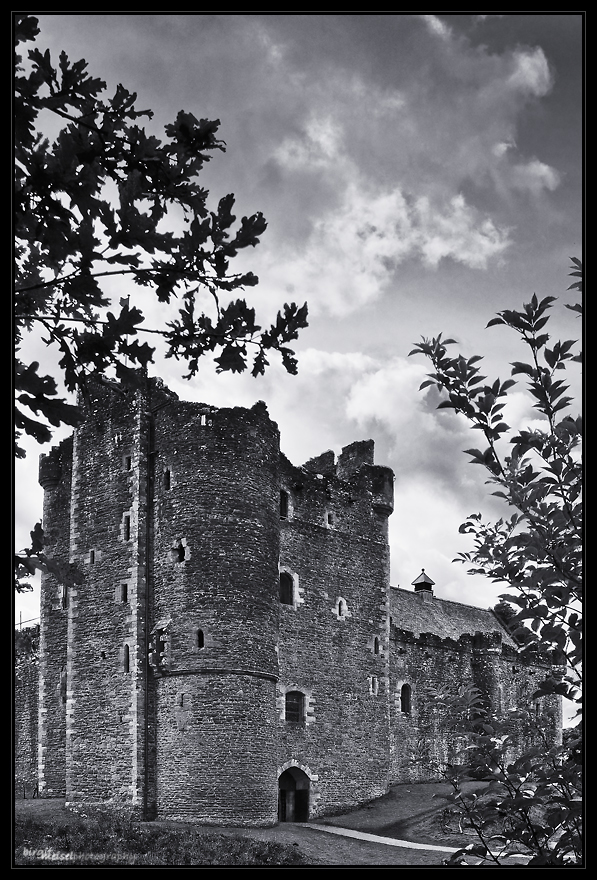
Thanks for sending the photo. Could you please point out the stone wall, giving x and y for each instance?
(334, 636)
(423, 739)
(26, 707)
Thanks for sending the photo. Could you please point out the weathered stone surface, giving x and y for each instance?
(165, 675)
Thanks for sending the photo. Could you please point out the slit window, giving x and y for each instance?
(92, 557)
(286, 588)
(167, 482)
(124, 592)
(126, 662)
(283, 505)
(405, 699)
(376, 645)
(128, 463)
(295, 707)
(199, 639)
(127, 528)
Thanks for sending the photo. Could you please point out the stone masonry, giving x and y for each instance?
(232, 652)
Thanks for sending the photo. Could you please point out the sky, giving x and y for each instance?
(418, 173)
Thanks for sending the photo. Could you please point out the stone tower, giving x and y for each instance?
(159, 668)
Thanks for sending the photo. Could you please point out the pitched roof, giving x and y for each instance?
(422, 612)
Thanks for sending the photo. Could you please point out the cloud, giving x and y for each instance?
(352, 252)
(530, 72)
(535, 177)
(436, 26)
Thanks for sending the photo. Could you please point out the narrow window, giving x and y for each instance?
(157, 649)
(405, 699)
(295, 707)
(330, 519)
(200, 639)
(128, 462)
(283, 505)
(286, 588)
(376, 646)
(64, 596)
(127, 528)
(91, 557)
(167, 480)
(374, 686)
(341, 608)
(180, 552)
(126, 659)
(124, 592)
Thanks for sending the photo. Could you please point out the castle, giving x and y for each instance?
(233, 652)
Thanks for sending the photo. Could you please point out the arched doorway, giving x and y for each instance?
(293, 796)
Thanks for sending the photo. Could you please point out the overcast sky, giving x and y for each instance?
(419, 173)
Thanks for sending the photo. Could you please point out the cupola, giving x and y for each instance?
(423, 583)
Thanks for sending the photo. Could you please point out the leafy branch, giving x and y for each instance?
(96, 203)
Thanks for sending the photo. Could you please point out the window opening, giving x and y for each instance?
(157, 649)
(124, 592)
(92, 556)
(330, 519)
(167, 480)
(376, 646)
(286, 588)
(295, 707)
(405, 698)
(126, 659)
(283, 505)
(341, 608)
(128, 462)
(200, 639)
(374, 686)
(180, 552)
(127, 528)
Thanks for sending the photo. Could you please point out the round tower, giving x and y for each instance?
(213, 554)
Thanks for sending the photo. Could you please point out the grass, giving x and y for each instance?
(103, 839)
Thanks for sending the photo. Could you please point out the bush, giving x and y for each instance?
(112, 840)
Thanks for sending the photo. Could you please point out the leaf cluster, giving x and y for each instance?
(537, 550)
(106, 199)
(533, 802)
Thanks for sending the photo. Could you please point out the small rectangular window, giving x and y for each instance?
(124, 592)
(286, 588)
(295, 707)
(127, 528)
(283, 505)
